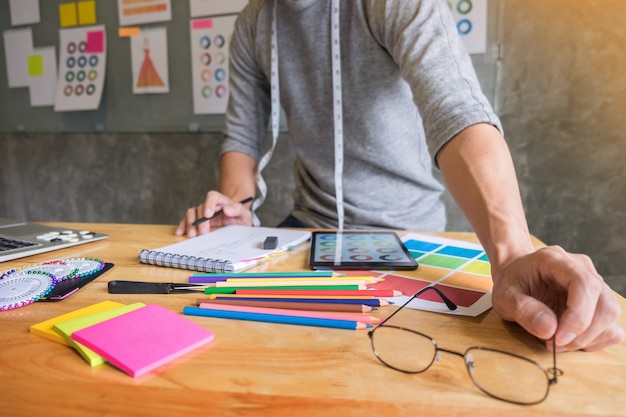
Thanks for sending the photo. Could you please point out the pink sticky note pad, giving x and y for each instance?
(95, 42)
(144, 339)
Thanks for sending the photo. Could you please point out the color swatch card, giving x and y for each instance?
(82, 65)
(144, 339)
(46, 328)
(459, 269)
(210, 40)
(67, 328)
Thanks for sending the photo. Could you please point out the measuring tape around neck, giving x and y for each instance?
(337, 113)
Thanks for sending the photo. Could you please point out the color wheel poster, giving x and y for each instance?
(210, 40)
(82, 65)
(471, 23)
(458, 269)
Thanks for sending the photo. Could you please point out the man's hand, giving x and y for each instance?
(550, 291)
(233, 212)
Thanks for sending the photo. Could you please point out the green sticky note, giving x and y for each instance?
(68, 327)
(35, 65)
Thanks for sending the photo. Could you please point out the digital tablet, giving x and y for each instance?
(359, 250)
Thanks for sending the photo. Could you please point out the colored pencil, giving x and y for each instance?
(373, 302)
(274, 318)
(291, 283)
(287, 297)
(344, 308)
(363, 318)
(320, 291)
(304, 288)
(208, 278)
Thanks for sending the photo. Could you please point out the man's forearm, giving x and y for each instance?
(480, 175)
(238, 173)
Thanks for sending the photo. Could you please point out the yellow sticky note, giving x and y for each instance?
(87, 12)
(67, 15)
(35, 65)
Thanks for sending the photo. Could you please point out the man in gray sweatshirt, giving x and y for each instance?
(367, 121)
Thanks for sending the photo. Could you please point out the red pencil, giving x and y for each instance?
(343, 293)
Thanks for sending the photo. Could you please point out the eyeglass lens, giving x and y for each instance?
(499, 374)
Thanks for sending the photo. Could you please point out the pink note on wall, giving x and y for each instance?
(144, 339)
(95, 42)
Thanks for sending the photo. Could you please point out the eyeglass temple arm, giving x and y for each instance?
(449, 303)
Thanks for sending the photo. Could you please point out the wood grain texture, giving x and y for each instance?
(258, 369)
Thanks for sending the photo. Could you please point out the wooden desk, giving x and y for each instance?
(272, 369)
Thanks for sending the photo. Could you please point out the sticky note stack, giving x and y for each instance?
(136, 338)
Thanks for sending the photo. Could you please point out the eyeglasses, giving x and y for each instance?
(502, 375)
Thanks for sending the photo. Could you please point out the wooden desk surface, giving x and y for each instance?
(273, 369)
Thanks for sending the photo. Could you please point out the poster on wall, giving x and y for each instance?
(200, 8)
(82, 65)
(471, 23)
(30, 67)
(210, 38)
(24, 12)
(149, 61)
(137, 12)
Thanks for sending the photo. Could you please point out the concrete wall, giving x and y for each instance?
(561, 94)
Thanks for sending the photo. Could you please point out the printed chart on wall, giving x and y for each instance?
(459, 269)
(199, 8)
(82, 66)
(471, 23)
(210, 39)
(149, 61)
(137, 12)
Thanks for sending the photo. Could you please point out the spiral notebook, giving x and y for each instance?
(228, 249)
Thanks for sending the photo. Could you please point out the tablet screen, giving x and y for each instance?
(359, 250)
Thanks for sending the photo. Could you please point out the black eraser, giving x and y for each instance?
(271, 242)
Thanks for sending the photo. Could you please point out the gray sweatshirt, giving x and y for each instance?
(408, 87)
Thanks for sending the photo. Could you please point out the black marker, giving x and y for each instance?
(219, 212)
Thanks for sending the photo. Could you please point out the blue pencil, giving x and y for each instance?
(372, 302)
(274, 318)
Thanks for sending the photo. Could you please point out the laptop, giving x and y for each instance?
(19, 239)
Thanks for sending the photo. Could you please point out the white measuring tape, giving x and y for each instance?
(337, 114)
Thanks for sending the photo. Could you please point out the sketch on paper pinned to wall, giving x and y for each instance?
(210, 38)
(471, 23)
(200, 8)
(149, 61)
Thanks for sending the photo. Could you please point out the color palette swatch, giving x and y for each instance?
(461, 270)
(210, 39)
(82, 67)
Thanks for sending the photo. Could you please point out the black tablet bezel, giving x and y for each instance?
(407, 264)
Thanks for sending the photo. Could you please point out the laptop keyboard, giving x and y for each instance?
(11, 244)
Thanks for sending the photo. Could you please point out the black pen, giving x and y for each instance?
(219, 212)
